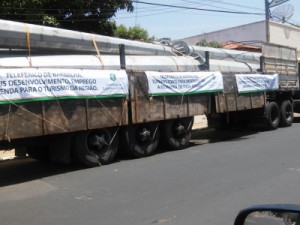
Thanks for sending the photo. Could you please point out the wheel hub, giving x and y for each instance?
(145, 135)
(97, 141)
(179, 129)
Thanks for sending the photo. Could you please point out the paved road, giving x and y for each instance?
(206, 184)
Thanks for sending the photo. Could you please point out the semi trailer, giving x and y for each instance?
(69, 96)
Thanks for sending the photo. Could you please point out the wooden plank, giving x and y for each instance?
(4, 121)
(25, 120)
(221, 106)
(108, 112)
(176, 107)
(65, 116)
(53, 117)
(231, 102)
(144, 108)
(243, 102)
(258, 100)
(198, 104)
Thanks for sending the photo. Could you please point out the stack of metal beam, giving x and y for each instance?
(25, 45)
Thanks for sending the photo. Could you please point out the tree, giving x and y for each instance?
(121, 32)
(132, 33)
(94, 16)
(212, 44)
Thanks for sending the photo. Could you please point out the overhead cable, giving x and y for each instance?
(200, 9)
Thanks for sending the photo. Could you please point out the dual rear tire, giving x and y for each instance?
(286, 114)
(279, 116)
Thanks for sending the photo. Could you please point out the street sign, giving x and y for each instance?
(276, 2)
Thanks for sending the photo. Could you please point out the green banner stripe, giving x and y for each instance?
(61, 98)
(185, 93)
(256, 91)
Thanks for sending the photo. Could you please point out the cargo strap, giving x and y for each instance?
(97, 50)
(27, 29)
(111, 141)
(177, 66)
(155, 131)
(189, 127)
(31, 113)
(109, 113)
(7, 124)
(181, 104)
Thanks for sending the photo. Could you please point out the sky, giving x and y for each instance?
(176, 23)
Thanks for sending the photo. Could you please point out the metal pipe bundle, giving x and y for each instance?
(110, 62)
(15, 35)
(218, 53)
(227, 54)
(60, 48)
(145, 63)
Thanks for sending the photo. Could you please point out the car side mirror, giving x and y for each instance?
(284, 214)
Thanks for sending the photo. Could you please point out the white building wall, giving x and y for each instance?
(285, 35)
(248, 32)
(281, 34)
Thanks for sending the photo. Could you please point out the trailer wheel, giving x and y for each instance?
(96, 147)
(141, 140)
(286, 114)
(177, 133)
(272, 116)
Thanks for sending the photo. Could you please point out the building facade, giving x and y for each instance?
(253, 33)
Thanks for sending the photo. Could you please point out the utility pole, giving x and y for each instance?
(269, 5)
(136, 12)
(267, 12)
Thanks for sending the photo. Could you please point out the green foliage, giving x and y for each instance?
(93, 16)
(132, 33)
(121, 32)
(212, 44)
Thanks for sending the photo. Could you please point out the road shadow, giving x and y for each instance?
(211, 135)
(296, 119)
(24, 170)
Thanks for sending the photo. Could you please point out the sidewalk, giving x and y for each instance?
(200, 122)
(6, 155)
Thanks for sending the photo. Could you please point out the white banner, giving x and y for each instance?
(256, 82)
(162, 83)
(30, 84)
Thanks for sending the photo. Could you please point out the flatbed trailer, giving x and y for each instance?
(148, 99)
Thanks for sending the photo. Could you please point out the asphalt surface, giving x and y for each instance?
(206, 184)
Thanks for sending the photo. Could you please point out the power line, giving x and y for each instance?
(226, 3)
(200, 9)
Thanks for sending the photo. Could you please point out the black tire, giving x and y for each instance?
(95, 147)
(286, 114)
(272, 116)
(177, 133)
(141, 140)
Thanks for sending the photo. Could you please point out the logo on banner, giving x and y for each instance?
(113, 77)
